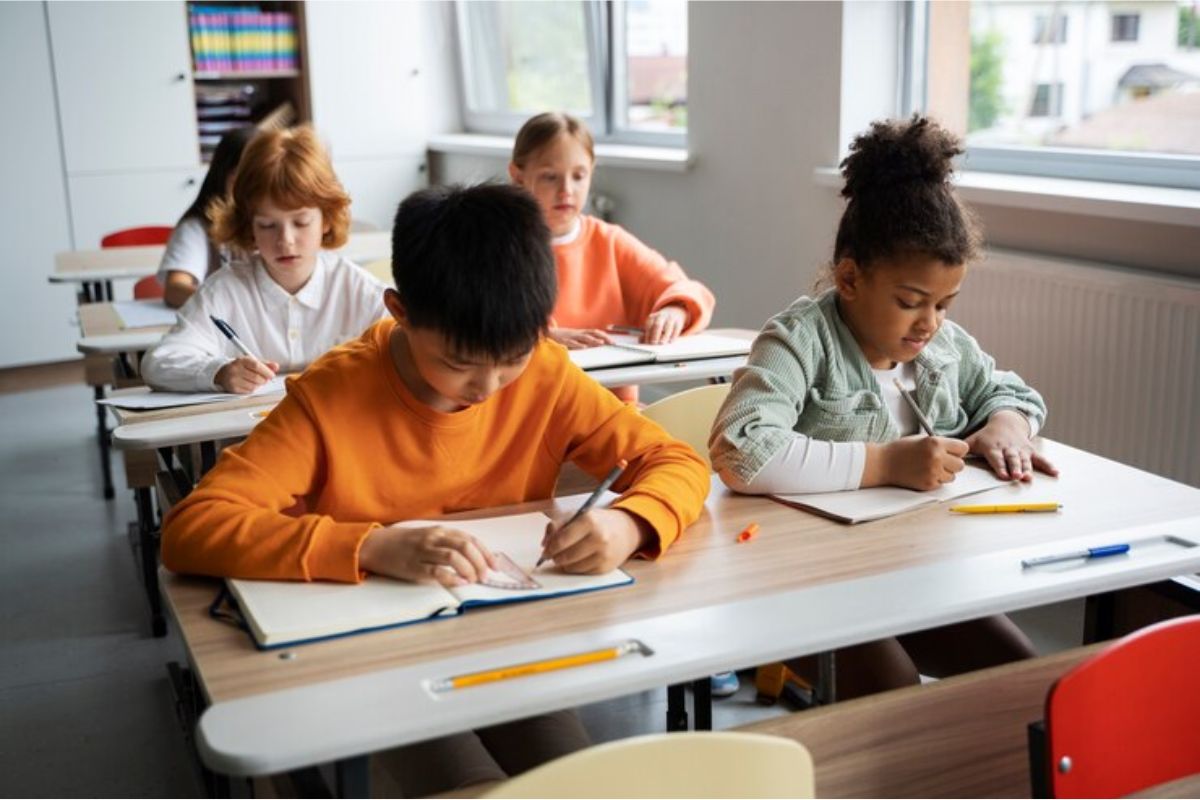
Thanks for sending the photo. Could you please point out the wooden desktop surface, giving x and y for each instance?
(101, 319)
(792, 550)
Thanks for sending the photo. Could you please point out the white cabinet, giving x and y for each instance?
(101, 204)
(123, 72)
(35, 324)
(366, 77)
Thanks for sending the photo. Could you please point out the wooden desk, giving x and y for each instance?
(95, 270)
(804, 585)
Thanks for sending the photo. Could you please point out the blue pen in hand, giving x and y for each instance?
(1091, 552)
(227, 329)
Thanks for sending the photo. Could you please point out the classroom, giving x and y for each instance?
(600, 398)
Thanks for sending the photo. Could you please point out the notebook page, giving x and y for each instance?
(291, 611)
(150, 400)
(520, 537)
(608, 356)
(863, 505)
(699, 345)
(143, 313)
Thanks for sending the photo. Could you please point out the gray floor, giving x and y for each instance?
(86, 710)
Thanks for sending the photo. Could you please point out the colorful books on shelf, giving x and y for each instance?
(285, 613)
(238, 39)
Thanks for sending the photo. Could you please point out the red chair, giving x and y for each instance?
(147, 288)
(1127, 719)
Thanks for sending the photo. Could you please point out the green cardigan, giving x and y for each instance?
(806, 374)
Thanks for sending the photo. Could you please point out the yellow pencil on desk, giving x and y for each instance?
(536, 667)
(1007, 508)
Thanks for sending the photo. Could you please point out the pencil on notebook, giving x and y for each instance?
(608, 481)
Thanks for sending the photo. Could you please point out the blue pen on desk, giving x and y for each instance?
(1091, 552)
(227, 329)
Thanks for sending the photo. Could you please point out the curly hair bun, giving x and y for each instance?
(897, 152)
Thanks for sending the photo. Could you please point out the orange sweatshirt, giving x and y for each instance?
(607, 277)
(353, 444)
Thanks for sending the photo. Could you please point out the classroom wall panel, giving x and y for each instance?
(124, 78)
(101, 204)
(377, 186)
(36, 325)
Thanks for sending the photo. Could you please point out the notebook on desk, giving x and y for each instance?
(149, 400)
(878, 502)
(285, 613)
(626, 350)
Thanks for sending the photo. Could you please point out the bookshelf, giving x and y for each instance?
(248, 66)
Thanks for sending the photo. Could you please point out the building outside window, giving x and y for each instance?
(620, 66)
(1117, 98)
(1125, 27)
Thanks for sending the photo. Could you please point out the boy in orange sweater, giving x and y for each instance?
(458, 402)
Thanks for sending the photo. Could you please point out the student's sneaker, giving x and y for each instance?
(724, 684)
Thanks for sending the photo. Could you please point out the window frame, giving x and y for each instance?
(1137, 26)
(1146, 169)
(604, 33)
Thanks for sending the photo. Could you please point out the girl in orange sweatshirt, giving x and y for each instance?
(606, 276)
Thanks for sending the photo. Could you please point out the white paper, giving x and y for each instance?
(143, 313)
(627, 350)
(863, 505)
(152, 400)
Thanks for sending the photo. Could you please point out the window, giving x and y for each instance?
(1047, 32)
(1125, 27)
(1047, 100)
(1094, 109)
(620, 66)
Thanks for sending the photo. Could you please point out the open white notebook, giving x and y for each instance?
(281, 613)
(146, 401)
(864, 505)
(626, 350)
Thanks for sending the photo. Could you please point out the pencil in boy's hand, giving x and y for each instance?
(227, 329)
(926, 425)
(608, 481)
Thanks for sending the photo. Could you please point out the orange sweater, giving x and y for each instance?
(358, 449)
(607, 277)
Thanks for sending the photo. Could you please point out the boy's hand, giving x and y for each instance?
(1006, 444)
(915, 462)
(445, 555)
(665, 325)
(580, 338)
(599, 541)
(244, 375)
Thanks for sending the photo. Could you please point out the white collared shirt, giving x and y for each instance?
(339, 302)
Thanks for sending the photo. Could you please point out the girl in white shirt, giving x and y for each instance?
(290, 302)
(191, 255)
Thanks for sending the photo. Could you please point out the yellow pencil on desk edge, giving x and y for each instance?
(1007, 508)
(537, 667)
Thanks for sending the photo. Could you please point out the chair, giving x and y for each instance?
(689, 415)
(706, 764)
(381, 268)
(1125, 720)
(147, 288)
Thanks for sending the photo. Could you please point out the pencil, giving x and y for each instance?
(921, 418)
(591, 501)
(536, 667)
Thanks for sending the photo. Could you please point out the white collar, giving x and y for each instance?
(310, 295)
(570, 235)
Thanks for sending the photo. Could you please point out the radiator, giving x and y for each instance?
(1115, 353)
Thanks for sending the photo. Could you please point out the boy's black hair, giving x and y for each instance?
(475, 264)
(900, 199)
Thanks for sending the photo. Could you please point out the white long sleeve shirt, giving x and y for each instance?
(190, 250)
(339, 302)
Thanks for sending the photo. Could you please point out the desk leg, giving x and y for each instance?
(189, 704)
(677, 718)
(208, 457)
(108, 291)
(826, 689)
(102, 437)
(702, 703)
(1098, 618)
(148, 554)
(353, 776)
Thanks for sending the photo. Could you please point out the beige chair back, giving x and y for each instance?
(381, 268)
(689, 415)
(695, 764)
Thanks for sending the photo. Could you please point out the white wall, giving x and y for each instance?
(763, 112)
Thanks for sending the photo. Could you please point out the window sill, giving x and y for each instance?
(663, 159)
(1123, 201)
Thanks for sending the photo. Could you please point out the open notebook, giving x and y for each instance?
(864, 505)
(626, 350)
(145, 401)
(282, 613)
